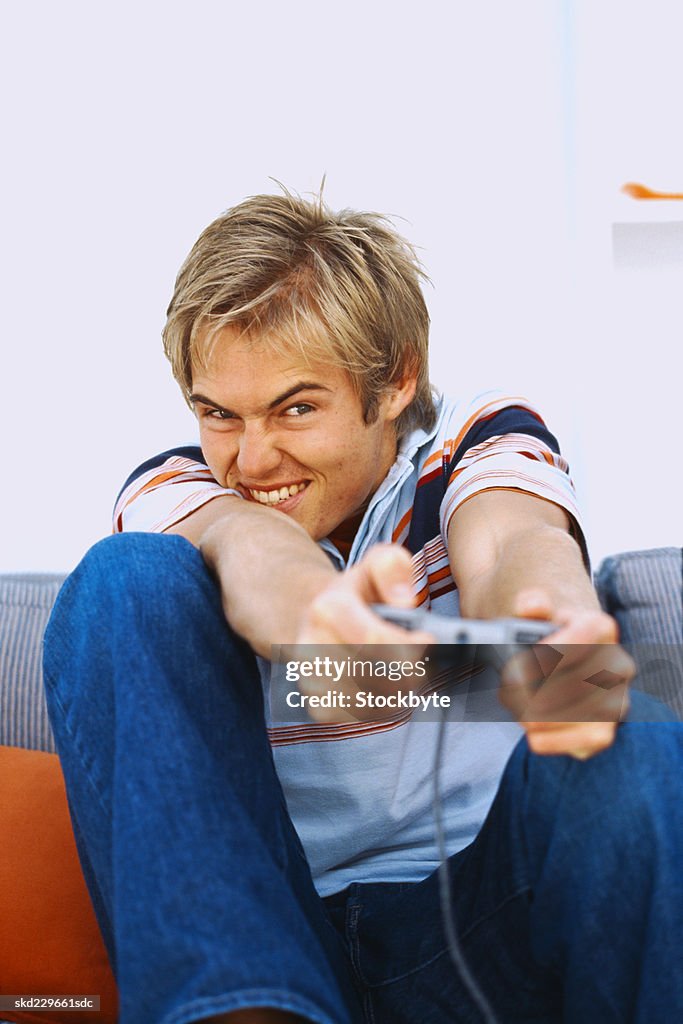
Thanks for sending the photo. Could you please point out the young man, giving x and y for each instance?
(245, 869)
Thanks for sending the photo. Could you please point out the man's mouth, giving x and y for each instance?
(277, 495)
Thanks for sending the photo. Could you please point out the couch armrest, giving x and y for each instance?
(643, 590)
(25, 604)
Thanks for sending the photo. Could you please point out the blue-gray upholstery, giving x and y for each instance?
(25, 604)
(643, 590)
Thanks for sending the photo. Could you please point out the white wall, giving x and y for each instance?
(500, 132)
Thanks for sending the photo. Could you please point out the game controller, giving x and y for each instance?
(496, 640)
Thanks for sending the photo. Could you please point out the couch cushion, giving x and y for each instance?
(25, 603)
(50, 943)
(643, 590)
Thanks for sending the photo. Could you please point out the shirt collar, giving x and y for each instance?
(408, 449)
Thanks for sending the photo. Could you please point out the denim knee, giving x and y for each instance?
(143, 606)
(158, 580)
(619, 809)
(150, 567)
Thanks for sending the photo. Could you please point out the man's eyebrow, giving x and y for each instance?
(302, 385)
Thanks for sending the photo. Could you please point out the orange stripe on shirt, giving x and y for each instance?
(403, 522)
(453, 444)
(160, 478)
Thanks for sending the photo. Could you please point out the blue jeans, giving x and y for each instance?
(568, 904)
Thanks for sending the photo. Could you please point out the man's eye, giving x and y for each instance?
(300, 409)
(218, 414)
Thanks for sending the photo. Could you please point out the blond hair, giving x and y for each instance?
(343, 288)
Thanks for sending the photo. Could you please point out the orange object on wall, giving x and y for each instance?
(637, 191)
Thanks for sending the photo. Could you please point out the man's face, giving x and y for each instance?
(291, 435)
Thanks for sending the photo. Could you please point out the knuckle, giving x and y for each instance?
(388, 555)
(318, 606)
(607, 626)
(325, 606)
(601, 735)
(600, 626)
(621, 665)
(377, 553)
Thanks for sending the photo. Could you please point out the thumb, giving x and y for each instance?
(389, 568)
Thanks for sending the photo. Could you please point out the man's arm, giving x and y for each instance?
(511, 554)
(279, 587)
(501, 543)
(267, 566)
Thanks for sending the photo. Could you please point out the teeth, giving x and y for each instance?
(276, 496)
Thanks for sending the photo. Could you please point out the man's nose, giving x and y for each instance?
(257, 455)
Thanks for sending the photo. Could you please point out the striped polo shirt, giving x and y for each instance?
(360, 793)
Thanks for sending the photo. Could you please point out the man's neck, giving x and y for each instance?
(344, 535)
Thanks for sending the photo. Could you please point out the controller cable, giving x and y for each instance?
(445, 890)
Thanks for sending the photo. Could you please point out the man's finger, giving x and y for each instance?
(340, 615)
(386, 575)
(533, 604)
(594, 688)
(580, 740)
(592, 627)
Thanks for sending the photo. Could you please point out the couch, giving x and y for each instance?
(642, 589)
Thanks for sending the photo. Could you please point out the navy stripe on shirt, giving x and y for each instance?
(424, 524)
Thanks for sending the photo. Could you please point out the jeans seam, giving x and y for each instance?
(353, 912)
(485, 917)
(464, 935)
(75, 744)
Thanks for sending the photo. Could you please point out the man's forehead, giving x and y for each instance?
(237, 366)
(226, 350)
(252, 375)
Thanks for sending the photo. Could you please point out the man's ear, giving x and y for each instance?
(400, 394)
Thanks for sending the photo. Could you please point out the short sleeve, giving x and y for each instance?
(505, 444)
(165, 490)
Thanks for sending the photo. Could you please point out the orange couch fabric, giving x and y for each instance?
(50, 943)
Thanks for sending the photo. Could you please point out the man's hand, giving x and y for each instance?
(512, 554)
(279, 588)
(340, 614)
(571, 690)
